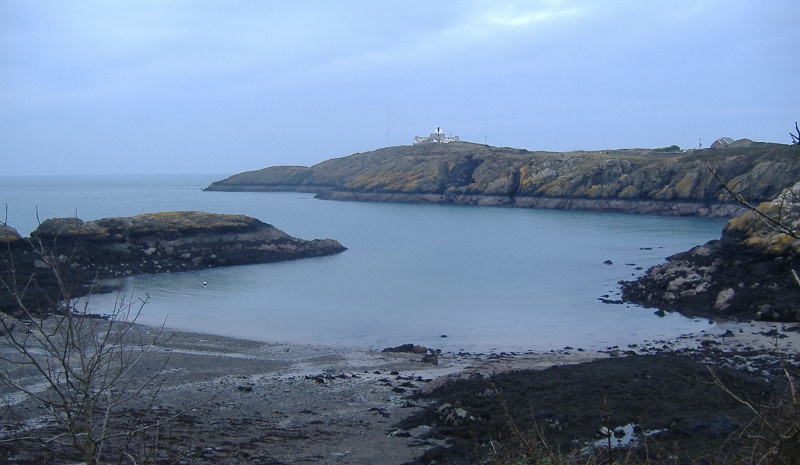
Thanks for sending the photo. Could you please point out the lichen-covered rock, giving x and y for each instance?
(174, 241)
(9, 235)
(72, 228)
(748, 273)
(634, 180)
(775, 230)
(153, 243)
(164, 224)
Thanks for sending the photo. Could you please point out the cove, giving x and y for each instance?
(487, 278)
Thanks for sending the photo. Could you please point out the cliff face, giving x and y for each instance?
(149, 243)
(464, 173)
(748, 273)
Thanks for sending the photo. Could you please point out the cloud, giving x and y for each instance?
(499, 19)
(462, 32)
(206, 76)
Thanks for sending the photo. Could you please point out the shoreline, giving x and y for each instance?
(247, 401)
(750, 334)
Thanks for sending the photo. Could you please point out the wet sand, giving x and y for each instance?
(244, 402)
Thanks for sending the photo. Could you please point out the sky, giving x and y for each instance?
(204, 86)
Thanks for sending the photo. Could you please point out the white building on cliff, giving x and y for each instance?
(437, 136)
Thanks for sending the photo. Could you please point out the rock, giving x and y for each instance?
(723, 300)
(155, 243)
(9, 235)
(382, 412)
(178, 241)
(453, 416)
(726, 277)
(407, 348)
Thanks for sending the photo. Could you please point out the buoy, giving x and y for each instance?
(205, 283)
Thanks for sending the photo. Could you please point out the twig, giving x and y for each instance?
(129, 457)
(728, 391)
(773, 223)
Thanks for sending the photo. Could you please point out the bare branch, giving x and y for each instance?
(84, 370)
(728, 391)
(773, 223)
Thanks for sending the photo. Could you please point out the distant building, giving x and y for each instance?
(722, 142)
(437, 136)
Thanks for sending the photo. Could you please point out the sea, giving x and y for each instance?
(455, 278)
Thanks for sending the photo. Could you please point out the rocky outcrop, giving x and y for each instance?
(148, 243)
(637, 181)
(8, 235)
(748, 273)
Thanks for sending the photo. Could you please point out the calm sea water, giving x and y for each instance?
(490, 279)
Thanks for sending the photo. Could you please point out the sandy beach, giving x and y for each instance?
(245, 402)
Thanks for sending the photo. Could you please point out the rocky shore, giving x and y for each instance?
(247, 402)
(749, 273)
(641, 207)
(83, 252)
(660, 402)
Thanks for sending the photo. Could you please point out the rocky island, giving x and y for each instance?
(146, 243)
(666, 181)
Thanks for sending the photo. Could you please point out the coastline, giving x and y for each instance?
(248, 401)
(615, 205)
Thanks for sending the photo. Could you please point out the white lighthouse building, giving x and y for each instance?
(437, 136)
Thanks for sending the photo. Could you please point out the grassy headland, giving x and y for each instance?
(631, 180)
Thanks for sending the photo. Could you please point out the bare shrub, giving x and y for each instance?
(69, 374)
(774, 432)
(775, 429)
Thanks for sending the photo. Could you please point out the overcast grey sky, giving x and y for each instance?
(227, 86)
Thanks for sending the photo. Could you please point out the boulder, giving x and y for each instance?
(724, 297)
(9, 235)
(407, 348)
